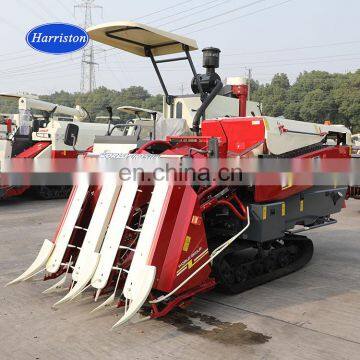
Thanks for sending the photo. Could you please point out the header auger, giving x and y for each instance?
(153, 245)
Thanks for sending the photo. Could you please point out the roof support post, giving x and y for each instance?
(169, 99)
(196, 75)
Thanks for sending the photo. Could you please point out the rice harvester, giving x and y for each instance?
(153, 246)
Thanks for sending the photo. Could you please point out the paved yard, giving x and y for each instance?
(312, 314)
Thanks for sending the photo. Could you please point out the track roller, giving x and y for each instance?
(240, 269)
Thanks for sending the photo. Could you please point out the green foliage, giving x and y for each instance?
(8, 106)
(273, 96)
(97, 101)
(315, 96)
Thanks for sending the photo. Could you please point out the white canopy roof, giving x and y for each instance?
(135, 38)
(133, 110)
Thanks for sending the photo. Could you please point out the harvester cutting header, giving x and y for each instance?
(155, 246)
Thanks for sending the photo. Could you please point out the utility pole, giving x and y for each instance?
(249, 82)
(88, 63)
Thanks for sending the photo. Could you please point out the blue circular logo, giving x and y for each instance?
(57, 38)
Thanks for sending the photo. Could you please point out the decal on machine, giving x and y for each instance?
(196, 220)
(189, 262)
(186, 243)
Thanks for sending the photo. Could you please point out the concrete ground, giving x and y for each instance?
(311, 314)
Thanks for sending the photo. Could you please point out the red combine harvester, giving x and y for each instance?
(41, 136)
(154, 246)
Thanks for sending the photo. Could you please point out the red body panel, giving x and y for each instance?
(238, 133)
(265, 193)
(8, 123)
(29, 153)
(34, 150)
(181, 245)
(14, 191)
(64, 154)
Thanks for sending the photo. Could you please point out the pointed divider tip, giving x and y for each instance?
(105, 304)
(59, 285)
(83, 280)
(38, 265)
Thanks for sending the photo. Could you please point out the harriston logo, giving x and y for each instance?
(39, 37)
(57, 38)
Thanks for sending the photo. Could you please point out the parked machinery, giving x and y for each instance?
(147, 123)
(155, 245)
(354, 191)
(32, 136)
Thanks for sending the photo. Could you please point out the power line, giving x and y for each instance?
(195, 13)
(292, 64)
(70, 74)
(295, 48)
(3, 59)
(66, 8)
(31, 8)
(46, 9)
(161, 10)
(34, 64)
(348, 57)
(302, 59)
(243, 66)
(11, 24)
(114, 74)
(53, 65)
(18, 71)
(48, 62)
(218, 15)
(307, 62)
(187, 10)
(36, 72)
(240, 17)
(13, 53)
(21, 67)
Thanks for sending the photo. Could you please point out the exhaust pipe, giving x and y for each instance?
(204, 106)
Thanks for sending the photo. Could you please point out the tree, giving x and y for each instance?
(315, 96)
(274, 96)
(8, 106)
(281, 81)
(318, 106)
(347, 99)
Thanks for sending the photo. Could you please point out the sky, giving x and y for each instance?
(266, 36)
